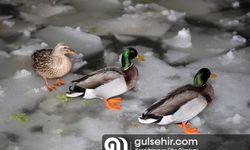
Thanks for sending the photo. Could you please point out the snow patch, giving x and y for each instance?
(175, 15)
(29, 50)
(236, 4)
(236, 119)
(238, 40)
(229, 23)
(181, 40)
(22, 74)
(8, 23)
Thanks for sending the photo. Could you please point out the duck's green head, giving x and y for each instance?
(202, 76)
(128, 55)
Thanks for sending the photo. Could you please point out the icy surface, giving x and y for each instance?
(171, 36)
(86, 43)
(232, 61)
(133, 25)
(202, 45)
(45, 10)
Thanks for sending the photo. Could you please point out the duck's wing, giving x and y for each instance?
(172, 102)
(41, 57)
(99, 77)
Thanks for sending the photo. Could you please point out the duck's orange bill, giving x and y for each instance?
(112, 103)
(186, 129)
(213, 75)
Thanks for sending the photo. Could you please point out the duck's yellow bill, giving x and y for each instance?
(213, 75)
(139, 57)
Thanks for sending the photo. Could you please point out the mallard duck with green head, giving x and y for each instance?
(182, 104)
(108, 82)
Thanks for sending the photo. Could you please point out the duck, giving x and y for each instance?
(182, 104)
(109, 82)
(52, 64)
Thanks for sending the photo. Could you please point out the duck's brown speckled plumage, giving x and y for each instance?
(50, 66)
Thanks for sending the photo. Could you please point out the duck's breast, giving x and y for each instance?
(60, 67)
(131, 76)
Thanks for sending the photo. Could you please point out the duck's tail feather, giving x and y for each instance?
(75, 91)
(151, 118)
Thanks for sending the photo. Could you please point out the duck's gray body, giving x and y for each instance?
(105, 83)
(180, 105)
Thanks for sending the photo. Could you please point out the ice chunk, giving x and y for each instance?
(229, 55)
(78, 65)
(46, 10)
(175, 15)
(4, 54)
(111, 58)
(193, 7)
(229, 23)
(28, 50)
(126, 3)
(181, 40)
(86, 43)
(2, 92)
(99, 7)
(238, 40)
(141, 19)
(22, 74)
(236, 119)
(236, 4)
(8, 23)
(5, 17)
(138, 25)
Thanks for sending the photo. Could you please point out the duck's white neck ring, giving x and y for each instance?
(128, 67)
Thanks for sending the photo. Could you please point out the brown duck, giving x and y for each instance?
(182, 104)
(52, 63)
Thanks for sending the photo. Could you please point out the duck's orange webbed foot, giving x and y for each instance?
(186, 129)
(58, 82)
(51, 87)
(112, 103)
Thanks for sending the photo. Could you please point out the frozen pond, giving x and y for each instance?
(176, 39)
